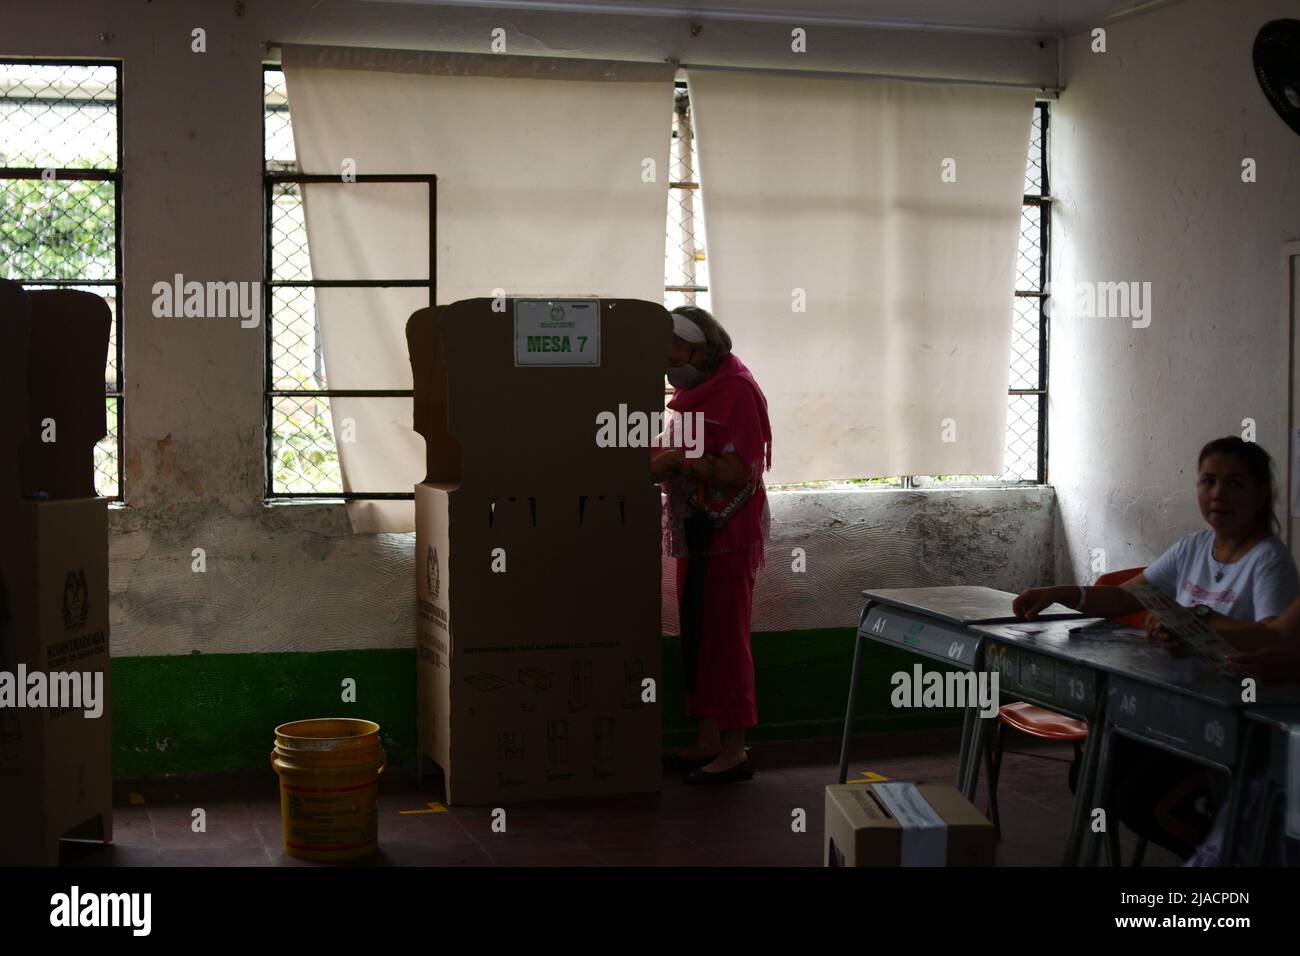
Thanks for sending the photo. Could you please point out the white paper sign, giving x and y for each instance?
(557, 332)
(925, 835)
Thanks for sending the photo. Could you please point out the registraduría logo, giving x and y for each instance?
(76, 600)
(431, 580)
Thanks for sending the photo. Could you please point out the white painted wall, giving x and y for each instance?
(291, 577)
(1147, 144)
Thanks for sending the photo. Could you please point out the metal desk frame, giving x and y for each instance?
(967, 768)
(1103, 783)
(1094, 717)
(1269, 728)
(1245, 721)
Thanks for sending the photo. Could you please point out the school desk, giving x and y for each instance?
(1063, 666)
(1187, 707)
(936, 623)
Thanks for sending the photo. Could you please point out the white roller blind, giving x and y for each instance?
(543, 188)
(828, 195)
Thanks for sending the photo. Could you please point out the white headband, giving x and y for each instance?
(686, 330)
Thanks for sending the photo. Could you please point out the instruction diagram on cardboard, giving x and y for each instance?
(510, 745)
(536, 679)
(557, 742)
(486, 682)
(580, 689)
(604, 739)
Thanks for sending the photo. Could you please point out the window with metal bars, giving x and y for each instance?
(1026, 449)
(302, 453)
(303, 458)
(686, 268)
(61, 201)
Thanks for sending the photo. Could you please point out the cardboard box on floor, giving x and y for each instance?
(537, 552)
(904, 824)
(55, 766)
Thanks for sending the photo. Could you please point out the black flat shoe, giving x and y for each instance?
(741, 771)
(678, 762)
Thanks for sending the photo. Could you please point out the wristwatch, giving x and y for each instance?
(1202, 611)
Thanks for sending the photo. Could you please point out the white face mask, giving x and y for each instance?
(685, 376)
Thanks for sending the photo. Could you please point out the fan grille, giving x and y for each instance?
(1277, 67)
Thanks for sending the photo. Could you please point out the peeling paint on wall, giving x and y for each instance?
(293, 578)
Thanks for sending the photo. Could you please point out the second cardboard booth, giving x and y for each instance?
(55, 764)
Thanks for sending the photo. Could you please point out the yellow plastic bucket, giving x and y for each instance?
(329, 785)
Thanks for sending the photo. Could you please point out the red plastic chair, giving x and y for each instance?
(1115, 579)
(1034, 721)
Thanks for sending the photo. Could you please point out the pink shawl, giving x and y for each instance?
(735, 414)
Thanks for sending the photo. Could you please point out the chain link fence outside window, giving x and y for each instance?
(60, 202)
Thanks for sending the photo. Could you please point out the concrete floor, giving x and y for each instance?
(744, 824)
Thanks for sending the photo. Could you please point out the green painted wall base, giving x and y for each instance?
(209, 713)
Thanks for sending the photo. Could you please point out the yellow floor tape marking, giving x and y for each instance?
(434, 807)
(869, 776)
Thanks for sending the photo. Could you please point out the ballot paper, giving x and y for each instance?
(1025, 628)
(1108, 630)
(1197, 636)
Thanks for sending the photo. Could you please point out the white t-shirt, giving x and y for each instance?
(1260, 584)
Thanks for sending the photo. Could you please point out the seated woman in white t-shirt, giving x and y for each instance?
(1236, 574)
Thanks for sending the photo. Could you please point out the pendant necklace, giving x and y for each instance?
(1222, 569)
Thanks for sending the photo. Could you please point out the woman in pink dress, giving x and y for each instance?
(718, 444)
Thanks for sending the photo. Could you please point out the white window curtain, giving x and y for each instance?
(871, 298)
(552, 180)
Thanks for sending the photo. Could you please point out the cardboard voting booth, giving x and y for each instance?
(55, 762)
(15, 329)
(904, 824)
(537, 550)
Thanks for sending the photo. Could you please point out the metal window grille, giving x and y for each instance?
(1026, 448)
(301, 447)
(61, 201)
(686, 268)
